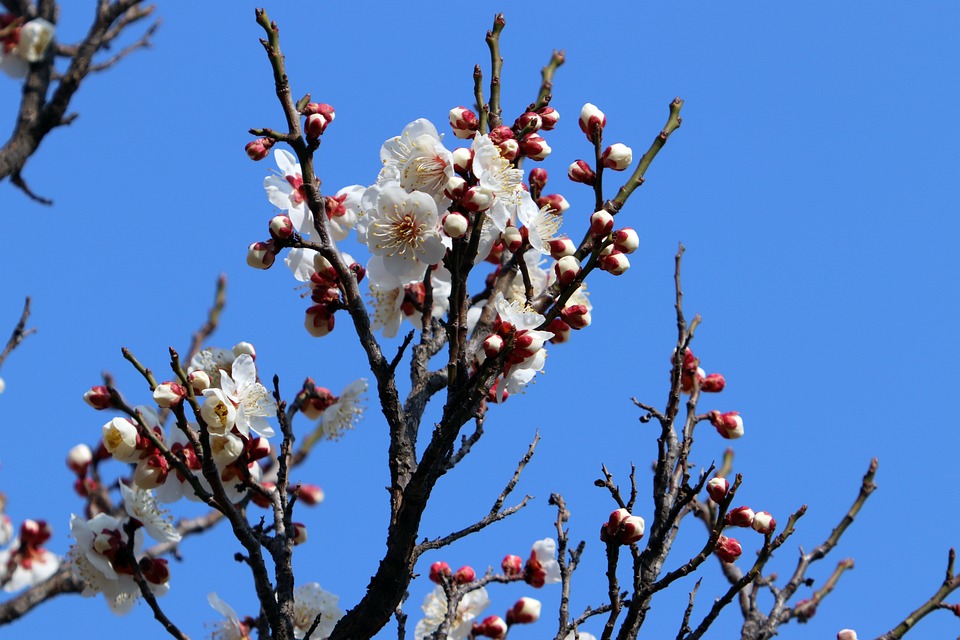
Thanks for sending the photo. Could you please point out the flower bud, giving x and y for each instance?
(729, 425)
(281, 227)
(500, 134)
(739, 517)
(218, 413)
(98, 397)
(576, 315)
(717, 488)
(713, 383)
(151, 472)
(315, 125)
(455, 187)
(846, 634)
(555, 201)
(437, 570)
(259, 448)
(299, 533)
(464, 575)
(764, 523)
(79, 458)
(590, 119)
(120, 440)
(560, 331)
(512, 239)
(199, 380)
(631, 529)
(524, 611)
(169, 394)
(567, 269)
(512, 566)
(529, 121)
(561, 247)
(549, 117)
(34, 39)
(534, 147)
(728, 549)
(538, 179)
(478, 199)
(258, 149)
(321, 108)
(242, 348)
(462, 157)
(615, 264)
(625, 240)
(493, 345)
(319, 321)
(580, 171)
(617, 157)
(509, 149)
(464, 122)
(155, 570)
(601, 223)
(310, 494)
(491, 627)
(261, 255)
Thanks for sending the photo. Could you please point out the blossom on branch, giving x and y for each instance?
(434, 608)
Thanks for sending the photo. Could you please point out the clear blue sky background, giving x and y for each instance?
(813, 183)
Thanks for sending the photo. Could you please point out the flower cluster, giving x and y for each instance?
(22, 44)
(25, 562)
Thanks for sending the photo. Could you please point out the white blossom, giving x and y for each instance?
(142, 506)
(309, 600)
(435, 610)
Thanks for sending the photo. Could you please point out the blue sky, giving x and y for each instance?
(811, 183)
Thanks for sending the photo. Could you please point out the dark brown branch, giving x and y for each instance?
(20, 332)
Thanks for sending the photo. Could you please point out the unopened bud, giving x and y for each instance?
(535, 147)
(261, 255)
(79, 458)
(549, 117)
(464, 575)
(478, 199)
(155, 570)
(258, 149)
(524, 611)
(299, 533)
(315, 125)
(509, 149)
(98, 397)
(729, 425)
(617, 157)
(538, 179)
(555, 201)
(438, 570)
(455, 224)
(577, 316)
(846, 634)
(717, 488)
(739, 517)
(764, 523)
(625, 240)
(244, 348)
(492, 627)
(567, 269)
(151, 472)
(500, 134)
(560, 331)
(728, 549)
(561, 247)
(199, 380)
(580, 171)
(455, 187)
(169, 394)
(713, 383)
(464, 122)
(529, 121)
(590, 119)
(281, 227)
(318, 321)
(601, 223)
(493, 345)
(462, 157)
(512, 239)
(512, 566)
(615, 264)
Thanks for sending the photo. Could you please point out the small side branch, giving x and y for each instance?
(20, 332)
(950, 584)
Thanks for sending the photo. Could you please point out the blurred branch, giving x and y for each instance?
(20, 332)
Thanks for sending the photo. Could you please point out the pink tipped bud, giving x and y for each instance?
(549, 117)
(244, 348)
(512, 566)
(524, 611)
(577, 316)
(617, 157)
(729, 425)
(538, 179)
(601, 223)
(310, 494)
(560, 331)
(509, 149)
(567, 269)
(561, 247)
(591, 118)
(438, 570)
(258, 149)
(322, 108)
(717, 489)
(625, 240)
(79, 458)
(493, 345)
(728, 549)
(846, 634)
(319, 321)
(299, 533)
(169, 394)
(534, 147)
(764, 523)
(464, 575)
(555, 201)
(199, 380)
(462, 157)
(455, 187)
(529, 121)
(500, 134)
(261, 255)
(491, 627)
(455, 224)
(315, 125)
(151, 472)
(631, 529)
(615, 264)
(155, 570)
(98, 397)
(281, 227)
(512, 239)
(713, 383)
(478, 199)
(580, 171)
(739, 517)
(464, 122)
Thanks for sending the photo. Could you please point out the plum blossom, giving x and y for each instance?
(435, 610)
(251, 400)
(394, 298)
(345, 412)
(420, 159)
(26, 562)
(141, 506)
(404, 230)
(581, 635)
(542, 225)
(527, 357)
(176, 486)
(230, 628)
(309, 600)
(542, 567)
(285, 191)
